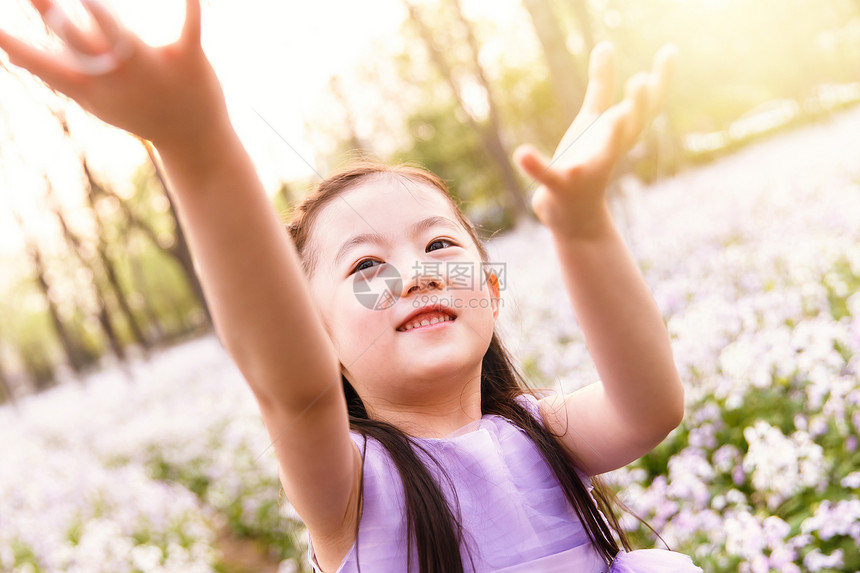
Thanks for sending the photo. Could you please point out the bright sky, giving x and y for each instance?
(270, 55)
(273, 56)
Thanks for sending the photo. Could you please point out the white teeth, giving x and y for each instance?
(426, 322)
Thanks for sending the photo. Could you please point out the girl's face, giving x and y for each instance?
(385, 249)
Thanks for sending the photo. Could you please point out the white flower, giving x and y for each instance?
(816, 561)
(831, 519)
(744, 536)
(851, 481)
(780, 465)
(146, 557)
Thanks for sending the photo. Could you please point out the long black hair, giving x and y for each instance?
(436, 528)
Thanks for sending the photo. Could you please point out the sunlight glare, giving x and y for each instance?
(157, 22)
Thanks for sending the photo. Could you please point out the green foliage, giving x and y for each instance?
(530, 108)
(251, 505)
(444, 143)
(841, 283)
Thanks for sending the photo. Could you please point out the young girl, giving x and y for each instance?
(406, 441)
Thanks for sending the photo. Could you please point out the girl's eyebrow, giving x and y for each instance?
(376, 238)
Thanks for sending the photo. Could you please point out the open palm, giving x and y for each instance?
(571, 197)
(164, 94)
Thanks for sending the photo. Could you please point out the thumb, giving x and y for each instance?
(536, 166)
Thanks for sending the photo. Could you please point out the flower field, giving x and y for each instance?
(755, 263)
(138, 471)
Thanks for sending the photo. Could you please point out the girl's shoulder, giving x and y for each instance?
(530, 402)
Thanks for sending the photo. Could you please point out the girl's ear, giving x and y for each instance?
(493, 282)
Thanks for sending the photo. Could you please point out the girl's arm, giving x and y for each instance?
(249, 268)
(640, 399)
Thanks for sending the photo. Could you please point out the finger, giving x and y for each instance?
(600, 92)
(536, 167)
(617, 117)
(42, 5)
(191, 27)
(60, 24)
(121, 42)
(637, 93)
(108, 25)
(662, 74)
(46, 66)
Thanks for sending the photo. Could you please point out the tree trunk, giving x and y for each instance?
(583, 18)
(564, 74)
(138, 276)
(74, 353)
(179, 250)
(489, 135)
(495, 145)
(76, 246)
(6, 394)
(108, 265)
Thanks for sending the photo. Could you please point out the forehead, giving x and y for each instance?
(387, 205)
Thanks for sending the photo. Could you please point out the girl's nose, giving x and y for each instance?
(424, 277)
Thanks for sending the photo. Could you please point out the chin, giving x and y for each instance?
(443, 364)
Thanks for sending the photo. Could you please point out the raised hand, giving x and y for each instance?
(168, 95)
(571, 198)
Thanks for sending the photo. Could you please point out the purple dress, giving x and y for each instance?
(516, 518)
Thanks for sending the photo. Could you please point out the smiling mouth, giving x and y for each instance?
(427, 320)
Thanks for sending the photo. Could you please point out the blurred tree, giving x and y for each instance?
(92, 189)
(145, 265)
(450, 148)
(583, 16)
(564, 74)
(77, 247)
(6, 394)
(179, 248)
(530, 107)
(77, 354)
(493, 132)
(489, 132)
(37, 361)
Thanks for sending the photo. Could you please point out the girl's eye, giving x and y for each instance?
(360, 266)
(449, 241)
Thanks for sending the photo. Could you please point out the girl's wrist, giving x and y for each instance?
(192, 127)
(585, 227)
(201, 148)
